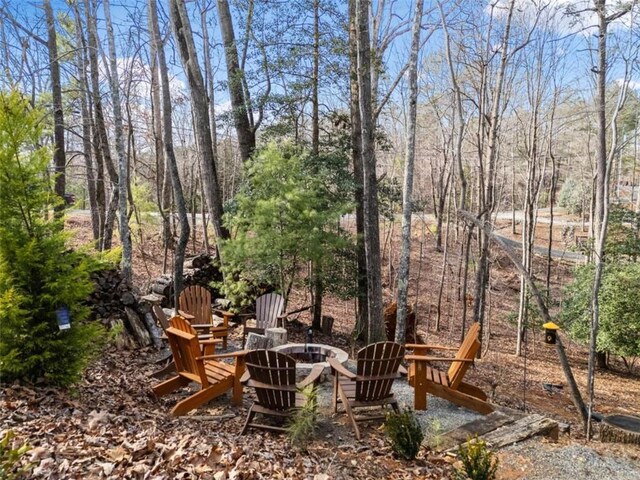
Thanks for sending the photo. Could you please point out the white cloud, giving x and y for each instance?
(633, 84)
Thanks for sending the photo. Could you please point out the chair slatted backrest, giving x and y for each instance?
(196, 300)
(273, 375)
(377, 367)
(468, 351)
(268, 307)
(185, 347)
(158, 312)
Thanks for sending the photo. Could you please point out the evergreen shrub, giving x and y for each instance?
(39, 274)
(405, 433)
(478, 462)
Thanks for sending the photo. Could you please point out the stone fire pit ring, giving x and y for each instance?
(311, 354)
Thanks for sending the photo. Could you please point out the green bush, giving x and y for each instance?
(405, 433)
(619, 314)
(623, 235)
(478, 462)
(10, 458)
(571, 196)
(285, 215)
(38, 272)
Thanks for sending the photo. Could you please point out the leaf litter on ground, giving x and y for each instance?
(111, 425)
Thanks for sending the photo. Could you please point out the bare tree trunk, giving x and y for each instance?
(604, 161)
(123, 160)
(101, 138)
(59, 158)
(184, 38)
(461, 125)
(245, 132)
(362, 327)
(209, 80)
(407, 190)
(370, 197)
(318, 287)
(444, 263)
(163, 199)
(599, 219)
(488, 203)
(552, 195)
(86, 128)
(178, 194)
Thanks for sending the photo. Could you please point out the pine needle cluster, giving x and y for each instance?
(39, 274)
(304, 421)
(405, 433)
(478, 462)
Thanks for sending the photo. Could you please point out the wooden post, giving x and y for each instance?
(327, 324)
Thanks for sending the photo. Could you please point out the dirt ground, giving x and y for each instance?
(511, 381)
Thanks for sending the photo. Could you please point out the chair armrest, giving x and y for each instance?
(421, 358)
(245, 377)
(402, 370)
(210, 341)
(186, 316)
(313, 376)
(339, 369)
(240, 353)
(226, 316)
(414, 346)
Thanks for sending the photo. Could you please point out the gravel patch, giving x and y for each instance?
(440, 416)
(537, 460)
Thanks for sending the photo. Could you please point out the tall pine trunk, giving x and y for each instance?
(59, 157)
(244, 130)
(370, 197)
(362, 327)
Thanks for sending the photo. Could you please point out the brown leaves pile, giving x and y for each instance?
(111, 426)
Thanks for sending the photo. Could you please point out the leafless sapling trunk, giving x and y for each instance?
(186, 46)
(167, 130)
(123, 160)
(407, 189)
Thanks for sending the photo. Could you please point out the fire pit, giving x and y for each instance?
(308, 355)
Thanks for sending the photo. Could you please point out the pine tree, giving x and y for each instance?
(39, 274)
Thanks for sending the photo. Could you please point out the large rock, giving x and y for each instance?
(256, 341)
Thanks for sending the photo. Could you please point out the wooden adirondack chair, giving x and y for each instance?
(448, 385)
(214, 377)
(377, 368)
(268, 314)
(196, 301)
(273, 376)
